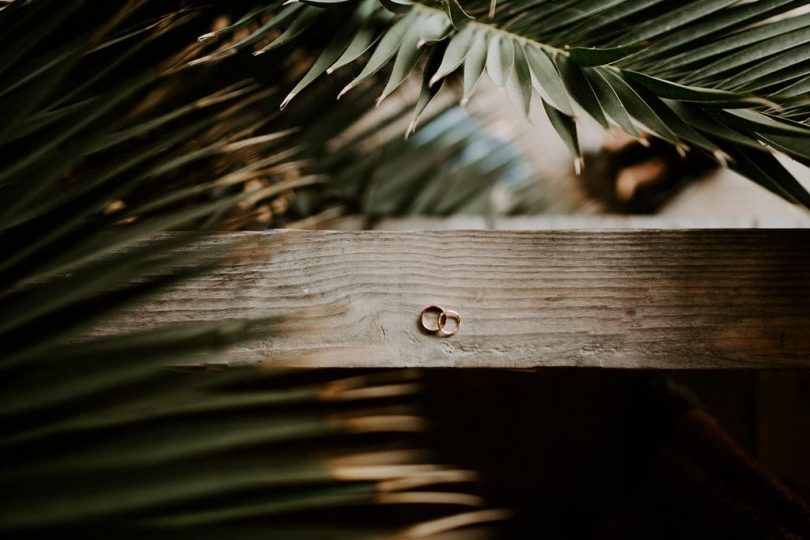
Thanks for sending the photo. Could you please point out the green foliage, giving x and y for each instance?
(450, 167)
(118, 156)
(195, 449)
(708, 75)
(84, 176)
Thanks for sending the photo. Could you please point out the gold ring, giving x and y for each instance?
(431, 309)
(441, 321)
(444, 317)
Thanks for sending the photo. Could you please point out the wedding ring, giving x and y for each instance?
(443, 315)
(449, 315)
(425, 326)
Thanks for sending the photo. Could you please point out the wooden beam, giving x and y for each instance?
(787, 220)
(613, 299)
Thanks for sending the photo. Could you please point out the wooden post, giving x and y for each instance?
(615, 299)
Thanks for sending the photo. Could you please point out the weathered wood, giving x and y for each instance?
(786, 220)
(631, 299)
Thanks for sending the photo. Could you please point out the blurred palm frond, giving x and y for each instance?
(453, 166)
(199, 448)
(118, 155)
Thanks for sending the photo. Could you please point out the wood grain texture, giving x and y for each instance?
(614, 299)
(785, 220)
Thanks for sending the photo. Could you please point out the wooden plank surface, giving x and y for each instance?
(786, 220)
(623, 299)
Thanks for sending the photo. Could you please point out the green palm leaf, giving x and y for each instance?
(450, 167)
(625, 63)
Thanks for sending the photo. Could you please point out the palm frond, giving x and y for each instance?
(450, 167)
(196, 448)
(720, 76)
(84, 177)
(117, 158)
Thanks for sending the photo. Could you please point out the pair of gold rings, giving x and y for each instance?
(442, 318)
